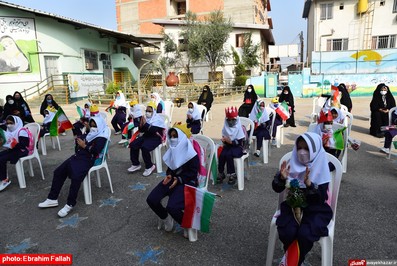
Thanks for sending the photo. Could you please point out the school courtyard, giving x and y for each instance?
(120, 228)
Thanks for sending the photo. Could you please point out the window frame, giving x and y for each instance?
(91, 59)
(328, 11)
(332, 44)
(389, 40)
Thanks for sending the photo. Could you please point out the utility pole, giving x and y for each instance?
(301, 42)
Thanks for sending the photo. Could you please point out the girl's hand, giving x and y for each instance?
(306, 179)
(284, 170)
(167, 179)
(81, 143)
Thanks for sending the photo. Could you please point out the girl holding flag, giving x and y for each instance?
(16, 143)
(261, 118)
(85, 115)
(120, 106)
(182, 170)
(49, 116)
(274, 104)
(308, 167)
(193, 118)
(287, 96)
(76, 167)
(134, 120)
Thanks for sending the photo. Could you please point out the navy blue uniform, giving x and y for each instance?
(13, 155)
(194, 125)
(119, 118)
(229, 152)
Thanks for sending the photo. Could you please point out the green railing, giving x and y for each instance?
(43, 86)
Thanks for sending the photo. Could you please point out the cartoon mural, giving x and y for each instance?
(18, 46)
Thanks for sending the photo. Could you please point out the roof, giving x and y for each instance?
(120, 36)
(265, 29)
(306, 8)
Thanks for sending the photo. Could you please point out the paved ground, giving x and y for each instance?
(126, 233)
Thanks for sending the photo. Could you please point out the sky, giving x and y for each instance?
(286, 14)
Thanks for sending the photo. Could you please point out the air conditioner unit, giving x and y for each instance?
(89, 66)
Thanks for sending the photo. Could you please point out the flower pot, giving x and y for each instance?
(172, 79)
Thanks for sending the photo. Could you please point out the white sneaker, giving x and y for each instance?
(168, 223)
(257, 153)
(117, 133)
(5, 183)
(134, 168)
(65, 211)
(122, 141)
(385, 150)
(63, 134)
(274, 142)
(149, 171)
(48, 203)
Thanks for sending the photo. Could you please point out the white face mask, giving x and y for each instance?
(47, 115)
(93, 129)
(303, 156)
(173, 142)
(328, 127)
(10, 101)
(149, 114)
(285, 92)
(249, 90)
(190, 110)
(383, 92)
(11, 127)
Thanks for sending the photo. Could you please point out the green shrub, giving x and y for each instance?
(240, 80)
(112, 88)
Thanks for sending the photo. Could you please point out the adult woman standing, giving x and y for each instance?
(382, 101)
(288, 97)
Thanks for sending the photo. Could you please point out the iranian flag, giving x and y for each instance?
(80, 111)
(59, 123)
(214, 169)
(291, 256)
(282, 111)
(126, 129)
(198, 208)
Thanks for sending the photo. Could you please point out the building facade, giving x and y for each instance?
(35, 45)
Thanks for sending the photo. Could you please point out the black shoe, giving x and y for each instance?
(293, 125)
(380, 135)
(232, 179)
(220, 178)
(286, 125)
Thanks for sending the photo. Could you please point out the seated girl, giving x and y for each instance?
(49, 116)
(308, 167)
(260, 117)
(160, 106)
(193, 118)
(181, 170)
(152, 126)
(277, 121)
(337, 115)
(390, 133)
(76, 167)
(80, 124)
(17, 142)
(134, 119)
(233, 138)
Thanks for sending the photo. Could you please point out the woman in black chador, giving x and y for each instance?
(250, 98)
(382, 101)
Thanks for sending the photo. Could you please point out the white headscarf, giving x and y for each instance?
(102, 129)
(48, 119)
(177, 156)
(341, 116)
(136, 110)
(257, 115)
(87, 113)
(157, 97)
(196, 115)
(318, 165)
(121, 101)
(156, 120)
(13, 135)
(234, 133)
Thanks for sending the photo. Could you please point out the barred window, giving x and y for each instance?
(326, 11)
(91, 60)
(383, 42)
(337, 44)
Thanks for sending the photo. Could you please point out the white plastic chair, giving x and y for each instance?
(156, 153)
(43, 143)
(169, 110)
(266, 143)
(87, 179)
(239, 162)
(318, 104)
(327, 242)
(391, 111)
(34, 129)
(209, 147)
(208, 117)
(203, 110)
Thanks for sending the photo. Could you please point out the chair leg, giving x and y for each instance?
(326, 251)
(41, 168)
(98, 179)
(109, 178)
(43, 147)
(59, 145)
(192, 233)
(87, 190)
(344, 161)
(271, 243)
(265, 149)
(240, 173)
(20, 174)
(157, 155)
(53, 142)
(31, 173)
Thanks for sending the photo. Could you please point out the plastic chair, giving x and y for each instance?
(266, 143)
(209, 147)
(169, 110)
(208, 117)
(239, 162)
(318, 104)
(34, 129)
(156, 153)
(87, 179)
(327, 242)
(203, 112)
(43, 143)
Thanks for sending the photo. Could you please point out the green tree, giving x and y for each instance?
(239, 69)
(250, 55)
(207, 41)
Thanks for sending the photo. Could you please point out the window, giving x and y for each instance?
(382, 42)
(395, 6)
(240, 40)
(125, 50)
(218, 76)
(326, 11)
(152, 50)
(91, 60)
(341, 6)
(382, 3)
(177, 7)
(181, 8)
(337, 44)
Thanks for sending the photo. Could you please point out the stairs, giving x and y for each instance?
(60, 93)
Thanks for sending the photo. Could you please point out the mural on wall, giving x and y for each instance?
(357, 61)
(18, 46)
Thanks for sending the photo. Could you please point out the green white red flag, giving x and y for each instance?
(198, 208)
(282, 111)
(59, 123)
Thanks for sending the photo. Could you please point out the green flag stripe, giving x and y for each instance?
(208, 204)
